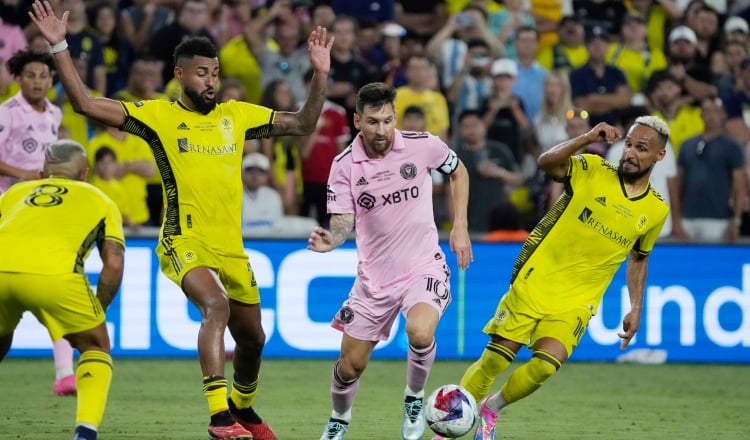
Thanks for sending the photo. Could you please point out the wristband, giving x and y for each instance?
(59, 47)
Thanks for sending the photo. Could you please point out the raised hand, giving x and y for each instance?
(604, 132)
(320, 50)
(52, 28)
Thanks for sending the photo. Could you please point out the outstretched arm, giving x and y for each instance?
(303, 122)
(636, 280)
(555, 161)
(104, 110)
(323, 240)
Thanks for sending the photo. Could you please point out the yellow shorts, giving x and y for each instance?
(178, 255)
(64, 304)
(515, 321)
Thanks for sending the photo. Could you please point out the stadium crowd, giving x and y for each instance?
(499, 81)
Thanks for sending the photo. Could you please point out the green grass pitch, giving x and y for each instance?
(161, 399)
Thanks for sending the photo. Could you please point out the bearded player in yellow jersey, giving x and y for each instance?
(197, 145)
(47, 229)
(608, 213)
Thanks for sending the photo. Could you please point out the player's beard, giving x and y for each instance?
(202, 105)
(380, 146)
(632, 176)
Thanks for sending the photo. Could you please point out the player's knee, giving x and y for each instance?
(349, 368)
(542, 366)
(216, 310)
(420, 335)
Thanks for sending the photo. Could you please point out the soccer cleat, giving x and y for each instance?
(65, 386)
(486, 423)
(335, 429)
(234, 431)
(83, 433)
(249, 419)
(413, 426)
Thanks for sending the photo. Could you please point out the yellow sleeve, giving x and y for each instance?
(257, 120)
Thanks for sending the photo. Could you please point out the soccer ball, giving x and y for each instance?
(450, 411)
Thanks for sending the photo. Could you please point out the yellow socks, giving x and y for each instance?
(215, 390)
(529, 377)
(480, 376)
(93, 377)
(243, 394)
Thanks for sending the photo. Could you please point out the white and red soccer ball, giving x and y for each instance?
(450, 411)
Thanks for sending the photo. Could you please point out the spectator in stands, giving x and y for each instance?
(231, 89)
(191, 22)
(348, 70)
(473, 84)
(142, 20)
(504, 114)
(708, 33)
(135, 165)
(423, 19)
(238, 58)
(606, 14)
(505, 24)
(417, 92)
(104, 177)
(283, 152)
(731, 81)
(492, 169)
(261, 204)
(737, 30)
(696, 78)
(118, 51)
(658, 14)
(597, 87)
(547, 16)
(289, 63)
(549, 126)
(683, 118)
(12, 40)
(737, 106)
(711, 182)
(142, 83)
(570, 51)
(262, 210)
(448, 47)
(633, 56)
(663, 177)
(318, 151)
(529, 85)
(85, 46)
(389, 65)
(378, 11)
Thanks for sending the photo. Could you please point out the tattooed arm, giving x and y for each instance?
(324, 240)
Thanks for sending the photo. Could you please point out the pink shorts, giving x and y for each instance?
(368, 315)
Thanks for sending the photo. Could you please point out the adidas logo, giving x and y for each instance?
(87, 374)
(183, 126)
(362, 181)
(602, 200)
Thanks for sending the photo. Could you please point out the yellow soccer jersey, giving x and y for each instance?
(571, 256)
(49, 226)
(199, 158)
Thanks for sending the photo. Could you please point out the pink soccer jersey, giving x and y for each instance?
(391, 199)
(25, 135)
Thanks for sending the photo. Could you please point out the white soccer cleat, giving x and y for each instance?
(414, 425)
(335, 430)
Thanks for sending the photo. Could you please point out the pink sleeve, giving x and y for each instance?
(6, 123)
(339, 192)
(441, 157)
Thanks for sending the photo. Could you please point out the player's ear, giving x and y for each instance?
(357, 121)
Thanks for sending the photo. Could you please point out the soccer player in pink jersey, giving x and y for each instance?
(28, 125)
(381, 185)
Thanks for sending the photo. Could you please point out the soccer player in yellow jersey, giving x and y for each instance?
(198, 145)
(608, 213)
(65, 216)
